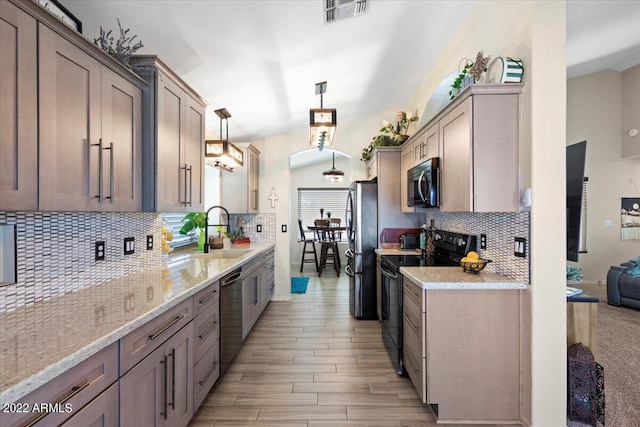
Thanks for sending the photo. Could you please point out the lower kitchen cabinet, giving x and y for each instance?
(70, 392)
(158, 391)
(206, 342)
(101, 412)
(462, 351)
(257, 287)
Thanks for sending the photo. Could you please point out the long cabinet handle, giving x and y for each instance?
(211, 327)
(208, 296)
(111, 174)
(173, 378)
(190, 170)
(410, 323)
(99, 196)
(211, 371)
(74, 390)
(184, 168)
(163, 328)
(165, 375)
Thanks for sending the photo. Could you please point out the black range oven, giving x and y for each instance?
(449, 248)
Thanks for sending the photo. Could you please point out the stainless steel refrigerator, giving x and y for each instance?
(362, 230)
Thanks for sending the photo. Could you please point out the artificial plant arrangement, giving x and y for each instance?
(390, 136)
(574, 274)
(470, 73)
(123, 48)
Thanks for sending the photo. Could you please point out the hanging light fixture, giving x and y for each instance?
(322, 122)
(224, 154)
(333, 174)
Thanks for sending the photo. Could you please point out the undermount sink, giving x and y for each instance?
(222, 254)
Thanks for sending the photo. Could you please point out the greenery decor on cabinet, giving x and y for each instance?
(390, 136)
(471, 72)
(123, 48)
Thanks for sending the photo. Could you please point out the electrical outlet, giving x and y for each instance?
(283, 227)
(150, 242)
(520, 247)
(129, 245)
(99, 250)
(259, 228)
(483, 241)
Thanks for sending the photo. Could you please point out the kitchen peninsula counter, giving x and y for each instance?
(42, 341)
(455, 278)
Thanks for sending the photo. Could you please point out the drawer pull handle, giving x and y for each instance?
(206, 377)
(208, 296)
(74, 390)
(159, 331)
(211, 327)
(410, 323)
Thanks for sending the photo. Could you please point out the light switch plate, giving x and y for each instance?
(129, 245)
(283, 228)
(259, 228)
(520, 247)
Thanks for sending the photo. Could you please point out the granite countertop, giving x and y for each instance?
(455, 278)
(40, 342)
(394, 251)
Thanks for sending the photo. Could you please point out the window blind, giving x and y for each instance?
(582, 244)
(174, 220)
(311, 200)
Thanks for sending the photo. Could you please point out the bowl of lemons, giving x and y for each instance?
(472, 263)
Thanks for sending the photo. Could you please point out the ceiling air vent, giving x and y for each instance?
(336, 10)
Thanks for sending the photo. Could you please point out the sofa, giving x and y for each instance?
(623, 284)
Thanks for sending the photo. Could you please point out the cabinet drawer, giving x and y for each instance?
(413, 293)
(206, 331)
(205, 374)
(416, 373)
(206, 297)
(102, 411)
(73, 389)
(141, 342)
(413, 322)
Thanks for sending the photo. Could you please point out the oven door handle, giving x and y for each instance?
(349, 253)
(388, 273)
(349, 271)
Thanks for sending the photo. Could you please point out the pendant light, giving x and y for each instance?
(225, 155)
(333, 174)
(322, 122)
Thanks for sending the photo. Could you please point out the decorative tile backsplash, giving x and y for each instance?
(56, 250)
(501, 229)
(56, 255)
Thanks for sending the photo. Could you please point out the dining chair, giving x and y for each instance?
(329, 255)
(335, 222)
(305, 251)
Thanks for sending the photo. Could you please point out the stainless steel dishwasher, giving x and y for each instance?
(230, 317)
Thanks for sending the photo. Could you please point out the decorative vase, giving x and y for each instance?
(328, 215)
(201, 241)
(321, 213)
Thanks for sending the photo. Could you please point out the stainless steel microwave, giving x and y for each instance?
(422, 184)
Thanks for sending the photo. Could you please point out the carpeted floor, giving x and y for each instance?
(619, 353)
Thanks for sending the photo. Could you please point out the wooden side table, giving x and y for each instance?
(582, 321)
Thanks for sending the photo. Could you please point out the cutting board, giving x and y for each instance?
(390, 237)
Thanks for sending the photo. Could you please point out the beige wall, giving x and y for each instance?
(631, 111)
(594, 113)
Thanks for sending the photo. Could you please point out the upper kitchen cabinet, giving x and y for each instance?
(71, 123)
(173, 146)
(18, 109)
(478, 134)
(90, 131)
(240, 188)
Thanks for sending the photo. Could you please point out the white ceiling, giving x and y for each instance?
(261, 59)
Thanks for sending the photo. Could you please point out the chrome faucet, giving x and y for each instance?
(206, 225)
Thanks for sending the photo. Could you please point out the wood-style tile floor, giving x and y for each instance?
(309, 363)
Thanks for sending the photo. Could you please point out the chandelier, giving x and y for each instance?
(225, 155)
(333, 174)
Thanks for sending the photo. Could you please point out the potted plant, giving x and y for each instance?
(238, 238)
(193, 221)
(217, 242)
(390, 136)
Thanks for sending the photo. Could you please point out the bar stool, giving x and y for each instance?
(305, 251)
(329, 256)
